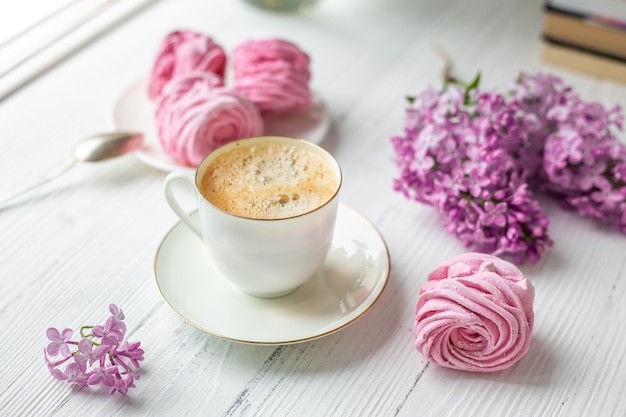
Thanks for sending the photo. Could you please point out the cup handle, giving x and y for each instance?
(168, 188)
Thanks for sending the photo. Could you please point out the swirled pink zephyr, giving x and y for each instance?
(182, 52)
(274, 74)
(196, 114)
(475, 313)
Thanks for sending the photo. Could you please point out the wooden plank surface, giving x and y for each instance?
(89, 238)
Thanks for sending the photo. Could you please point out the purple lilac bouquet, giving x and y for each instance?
(101, 357)
(475, 156)
(454, 155)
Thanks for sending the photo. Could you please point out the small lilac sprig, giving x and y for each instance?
(456, 155)
(102, 356)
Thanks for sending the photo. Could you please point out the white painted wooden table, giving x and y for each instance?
(89, 238)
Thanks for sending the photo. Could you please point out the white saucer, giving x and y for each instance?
(349, 283)
(133, 110)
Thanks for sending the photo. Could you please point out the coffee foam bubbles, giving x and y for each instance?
(268, 181)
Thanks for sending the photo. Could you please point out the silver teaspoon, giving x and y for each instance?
(93, 149)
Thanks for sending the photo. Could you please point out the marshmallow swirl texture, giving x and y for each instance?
(274, 74)
(181, 53)
(474, 313)
(196, 114)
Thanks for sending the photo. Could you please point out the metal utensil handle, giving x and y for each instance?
(46, 178)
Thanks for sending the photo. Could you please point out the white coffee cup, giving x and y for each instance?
(265, 257)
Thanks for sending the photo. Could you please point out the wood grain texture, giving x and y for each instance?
(89, 238)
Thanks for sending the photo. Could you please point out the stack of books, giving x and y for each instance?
(586, 35)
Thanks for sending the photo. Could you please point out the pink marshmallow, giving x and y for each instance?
(183, 52)
(274, 74)
(474, 313)
(195, 115)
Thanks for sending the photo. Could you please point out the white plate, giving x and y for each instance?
(134, 111)
(349, 283)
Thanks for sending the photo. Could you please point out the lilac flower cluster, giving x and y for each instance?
(475, 156)
(453, 156)
(584, 162)
(101, 357)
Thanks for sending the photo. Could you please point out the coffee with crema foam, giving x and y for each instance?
(268, 180)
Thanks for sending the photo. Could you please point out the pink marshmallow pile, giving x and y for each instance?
(474, 313)
(196, 112)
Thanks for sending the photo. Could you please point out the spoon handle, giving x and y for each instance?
(46, 178)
